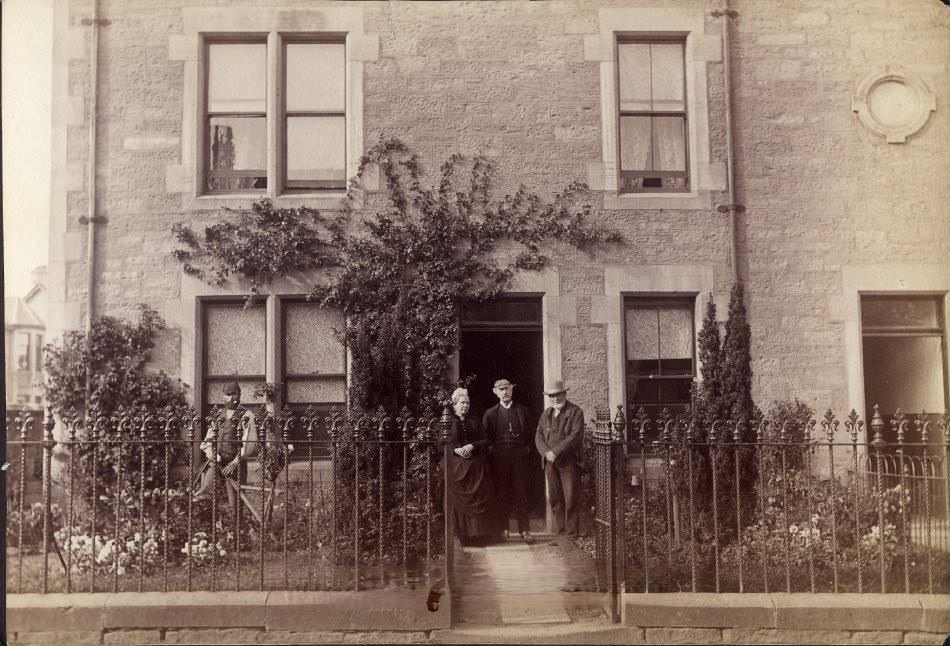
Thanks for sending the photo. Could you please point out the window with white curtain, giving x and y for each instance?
(653, 119)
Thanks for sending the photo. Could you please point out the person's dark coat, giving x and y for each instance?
(470, 485)
(563, 435)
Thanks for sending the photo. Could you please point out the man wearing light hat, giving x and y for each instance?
(508, 426)
(559, 439)
(231, 437)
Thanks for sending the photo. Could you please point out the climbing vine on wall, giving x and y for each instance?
(399, 262)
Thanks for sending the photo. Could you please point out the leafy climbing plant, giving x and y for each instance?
(399, 263)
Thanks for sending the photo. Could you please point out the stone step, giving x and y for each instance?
(575, 633)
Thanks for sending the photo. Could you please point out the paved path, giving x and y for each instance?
(548, 582)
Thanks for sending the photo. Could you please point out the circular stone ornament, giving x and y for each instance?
(893, 102)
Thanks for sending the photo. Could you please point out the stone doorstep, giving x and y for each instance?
(576, 633)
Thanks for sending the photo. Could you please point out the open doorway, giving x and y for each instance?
(502, 339)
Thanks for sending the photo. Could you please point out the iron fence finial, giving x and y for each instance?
(620, 425)
(877, 427)
(445, 422)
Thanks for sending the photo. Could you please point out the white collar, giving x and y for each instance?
(508, 407)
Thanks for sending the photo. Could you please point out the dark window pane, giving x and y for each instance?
(503, 311)
(237, 153)
(644, 367)
(904, 372)
(316, 152)
(882, 311)
(675, 391)
(635, 181)
(676, 366)
(214, 392)
(643, 391)
(320, 448)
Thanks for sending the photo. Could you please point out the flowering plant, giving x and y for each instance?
(202, 551)
(133, 552)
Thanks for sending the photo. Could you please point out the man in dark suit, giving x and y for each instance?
(559, 439)
(509, 427)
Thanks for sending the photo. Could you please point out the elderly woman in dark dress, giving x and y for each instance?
(470, 485)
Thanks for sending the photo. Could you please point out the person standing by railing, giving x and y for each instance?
(470, 483)
(509, 427)
(235, 434)
(559, 440)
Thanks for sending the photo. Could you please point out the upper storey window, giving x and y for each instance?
(653, 126)
(295, 113)
(237, 117)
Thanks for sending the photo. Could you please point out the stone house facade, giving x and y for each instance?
(801, 147)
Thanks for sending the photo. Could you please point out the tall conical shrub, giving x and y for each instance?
(709, 391)
(735, 362)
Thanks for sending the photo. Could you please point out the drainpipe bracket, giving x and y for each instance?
(718, 13)
(96, 219)
(726, 208)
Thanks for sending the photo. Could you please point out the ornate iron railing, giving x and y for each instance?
(816, 505)
(117, 510)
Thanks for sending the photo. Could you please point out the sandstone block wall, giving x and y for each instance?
(513, 80)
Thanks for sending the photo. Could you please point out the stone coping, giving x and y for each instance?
(390, 610)
(784, 611)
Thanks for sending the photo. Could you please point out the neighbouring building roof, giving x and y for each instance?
(16, 313)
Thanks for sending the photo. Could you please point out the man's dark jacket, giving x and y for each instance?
(564, 434)
(491, 422)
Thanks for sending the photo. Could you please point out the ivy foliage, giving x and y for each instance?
(400, 264)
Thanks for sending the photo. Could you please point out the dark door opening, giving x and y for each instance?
(502, 339)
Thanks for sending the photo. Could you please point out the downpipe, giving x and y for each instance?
(726, 14)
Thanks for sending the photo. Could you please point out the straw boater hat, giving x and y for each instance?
(555, 387)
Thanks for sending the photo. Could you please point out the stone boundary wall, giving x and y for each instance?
(223, 617)
(780, 618)
(401, 617)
